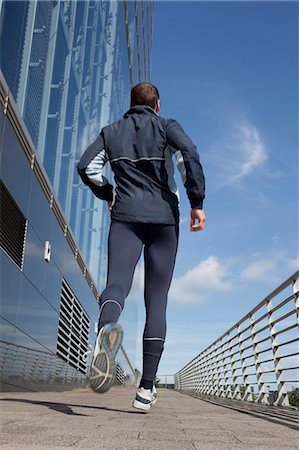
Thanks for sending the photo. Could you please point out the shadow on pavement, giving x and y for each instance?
(67, 408)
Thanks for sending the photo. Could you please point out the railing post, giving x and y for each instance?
(210, 375)
(232, 362)
(226, 369)
(235, 386)
(282, 398)
(221, 369)
(262, 396)
(198, 379)
(243, 366)
(201, 377)
(179, 381)
(238, 391)
(215, 373)
(195, 376)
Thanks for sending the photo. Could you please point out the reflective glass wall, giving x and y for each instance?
(69, 66)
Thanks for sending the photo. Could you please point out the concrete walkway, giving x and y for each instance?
(85, 420)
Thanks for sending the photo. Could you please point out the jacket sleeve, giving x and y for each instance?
(188, 163)
(90, 169)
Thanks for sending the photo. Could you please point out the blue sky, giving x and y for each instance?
(227, 71)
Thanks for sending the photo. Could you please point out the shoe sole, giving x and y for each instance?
(103, 366)
(142, 406)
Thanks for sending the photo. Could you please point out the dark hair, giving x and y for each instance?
(144, 94)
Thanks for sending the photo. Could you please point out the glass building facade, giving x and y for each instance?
(66, 71)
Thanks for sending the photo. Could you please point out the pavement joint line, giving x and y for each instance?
(237, 439)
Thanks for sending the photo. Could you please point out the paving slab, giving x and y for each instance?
(85, 420)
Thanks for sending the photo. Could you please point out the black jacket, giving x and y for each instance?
(140, 148)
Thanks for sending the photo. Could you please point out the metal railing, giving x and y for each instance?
(256, 360)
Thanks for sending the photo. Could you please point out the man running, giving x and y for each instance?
(144, 216)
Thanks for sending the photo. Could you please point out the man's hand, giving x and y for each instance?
(110, 203)
(197, 219)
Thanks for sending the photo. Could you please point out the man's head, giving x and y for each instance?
(145, 94)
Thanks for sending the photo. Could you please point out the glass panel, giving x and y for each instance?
(59, 245)
(36, 69)
(39, 212)
(15, 169)
(13, 28)
(36, 317)
(53, 284)
(34, 263)
(10, 290)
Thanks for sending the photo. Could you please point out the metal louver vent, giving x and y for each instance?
(13, 225)
(73, 330)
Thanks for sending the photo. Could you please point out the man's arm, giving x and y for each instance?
(191, 169)
(90, 169)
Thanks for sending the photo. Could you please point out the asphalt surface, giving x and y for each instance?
(85, 420)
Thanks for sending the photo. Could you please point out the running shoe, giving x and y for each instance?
(145, 398)
(103, 365)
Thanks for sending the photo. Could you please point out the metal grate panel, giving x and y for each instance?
(13, 225)
(73, 330)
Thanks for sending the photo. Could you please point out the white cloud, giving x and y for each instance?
(252, 150)
(237, 153)
(272, 268)
(198, 283)
(260, 270)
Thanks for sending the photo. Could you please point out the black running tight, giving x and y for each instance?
(126, 241)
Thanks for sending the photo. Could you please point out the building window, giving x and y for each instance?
(13, 225)
(73, 330)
